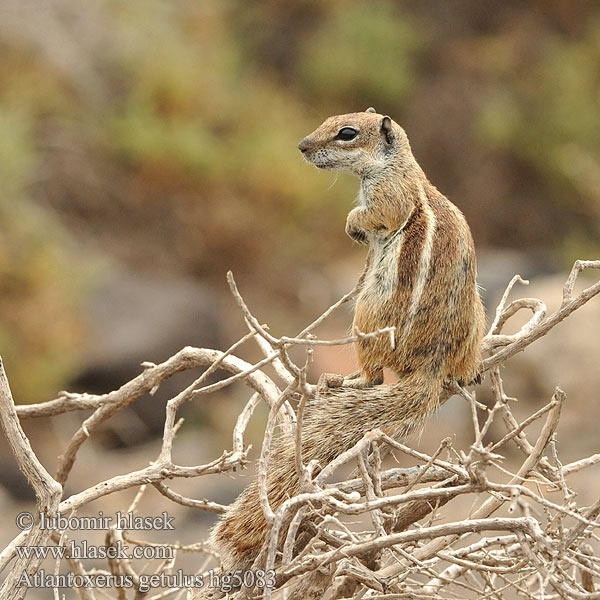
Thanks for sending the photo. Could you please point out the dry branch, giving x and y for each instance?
(47, 490)
(404, 550)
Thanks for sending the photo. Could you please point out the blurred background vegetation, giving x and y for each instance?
(149, 146)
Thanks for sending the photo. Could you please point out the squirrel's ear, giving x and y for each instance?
(386, 130)
(371, 110)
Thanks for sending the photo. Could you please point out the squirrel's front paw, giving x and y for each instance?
(354, 225)
(358, 235)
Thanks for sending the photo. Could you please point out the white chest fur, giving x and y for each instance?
(382, 277)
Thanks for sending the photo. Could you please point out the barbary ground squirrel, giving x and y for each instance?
(420, 278)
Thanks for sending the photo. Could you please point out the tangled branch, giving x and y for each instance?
(541, 547)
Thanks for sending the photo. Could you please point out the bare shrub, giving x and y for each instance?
(543, 549)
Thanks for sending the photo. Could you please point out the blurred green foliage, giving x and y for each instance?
(164, 135)
(548, 114)
(361, 46)
(40, 326)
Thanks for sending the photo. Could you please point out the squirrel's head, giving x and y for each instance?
(364, 143)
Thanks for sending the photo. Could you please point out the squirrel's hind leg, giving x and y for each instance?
(368, 378)
(358, 380)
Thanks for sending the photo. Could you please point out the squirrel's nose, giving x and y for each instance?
(304, 145)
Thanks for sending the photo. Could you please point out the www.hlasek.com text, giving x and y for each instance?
(84, 550)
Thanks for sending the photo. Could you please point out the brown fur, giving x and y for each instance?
(420, 278)
(333, 423)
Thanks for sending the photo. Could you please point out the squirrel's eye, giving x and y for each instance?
(346, 134)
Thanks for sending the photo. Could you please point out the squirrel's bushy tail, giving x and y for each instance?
(334, 421)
